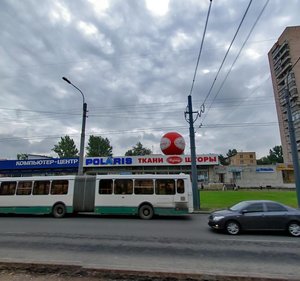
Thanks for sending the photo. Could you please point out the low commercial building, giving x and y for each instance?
(210, 173)
(254, 176)
(149, 164)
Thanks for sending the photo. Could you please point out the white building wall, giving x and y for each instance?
(251, 176)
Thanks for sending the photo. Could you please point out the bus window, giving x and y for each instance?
(143, 186)
(41, 188)
(180, 186)
(8, 188)
(24, 187)
(123, 186)
(165, 186)
(105, 186)
(59, 187)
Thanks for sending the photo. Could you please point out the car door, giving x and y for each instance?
(253, 217)
(276, 216)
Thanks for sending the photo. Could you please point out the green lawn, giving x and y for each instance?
(212, 200)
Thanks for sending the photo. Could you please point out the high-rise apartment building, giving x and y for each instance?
(283, 55)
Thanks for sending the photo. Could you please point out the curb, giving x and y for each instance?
(36, 269)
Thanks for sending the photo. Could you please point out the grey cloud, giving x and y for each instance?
(134, 77)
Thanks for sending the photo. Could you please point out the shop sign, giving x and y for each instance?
(150, 160)
(265, 170)
(284, 167)
(39, 163)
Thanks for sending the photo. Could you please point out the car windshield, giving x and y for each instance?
(239, 206)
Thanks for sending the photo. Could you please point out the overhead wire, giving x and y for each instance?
(230, 69)
(227, 52)
(140, 130)
(201, 46)
(144, 111)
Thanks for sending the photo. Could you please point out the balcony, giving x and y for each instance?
(282, 66)
(277, 51)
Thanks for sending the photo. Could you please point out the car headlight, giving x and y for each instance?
(217, 218)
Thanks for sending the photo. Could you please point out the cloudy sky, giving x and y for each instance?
(134, 61)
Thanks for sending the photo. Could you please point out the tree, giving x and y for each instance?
(99, 147)
(231, 152)
(226, 160)
(22, 156)
(263, 161)
(66, 148)
(138, 150)
(275, 156)
(223, 160)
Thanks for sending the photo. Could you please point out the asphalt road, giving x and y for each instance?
(165, 244)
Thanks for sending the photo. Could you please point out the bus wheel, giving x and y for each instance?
(59, 211)
(146, 212)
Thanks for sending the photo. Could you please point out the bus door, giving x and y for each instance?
(84, 193)
(182, 195)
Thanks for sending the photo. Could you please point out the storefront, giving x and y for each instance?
(149, 164)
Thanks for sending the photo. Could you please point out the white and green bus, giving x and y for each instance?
(142, 195)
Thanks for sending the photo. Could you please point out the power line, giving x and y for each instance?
(237, 31)
(140, 130)
(146, 113)
(201, 46)
(229, 71)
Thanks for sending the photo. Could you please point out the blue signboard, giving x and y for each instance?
(265, 170)
(54, 163)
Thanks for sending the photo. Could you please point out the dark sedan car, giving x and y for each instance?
(257, 215)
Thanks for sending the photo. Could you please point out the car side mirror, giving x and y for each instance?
(244, 211)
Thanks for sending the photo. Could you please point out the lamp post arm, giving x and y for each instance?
(83, 99)
(82, 138)
(68, 81)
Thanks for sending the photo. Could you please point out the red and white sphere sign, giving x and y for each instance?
(172, 143)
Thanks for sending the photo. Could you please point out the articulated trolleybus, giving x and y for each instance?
(142, 195)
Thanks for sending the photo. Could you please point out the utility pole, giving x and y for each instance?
(294, 149)
(191, 120)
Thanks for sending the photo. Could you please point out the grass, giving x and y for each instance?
(212, 200)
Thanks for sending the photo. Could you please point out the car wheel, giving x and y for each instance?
(232, 227)
(294, 229)
(146, 212)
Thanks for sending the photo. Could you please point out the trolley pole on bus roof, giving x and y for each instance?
(84, 115)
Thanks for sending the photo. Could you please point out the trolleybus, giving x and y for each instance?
(143, 195)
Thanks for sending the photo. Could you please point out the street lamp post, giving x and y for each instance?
(84, 115)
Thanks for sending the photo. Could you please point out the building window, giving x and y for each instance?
(236, 175)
